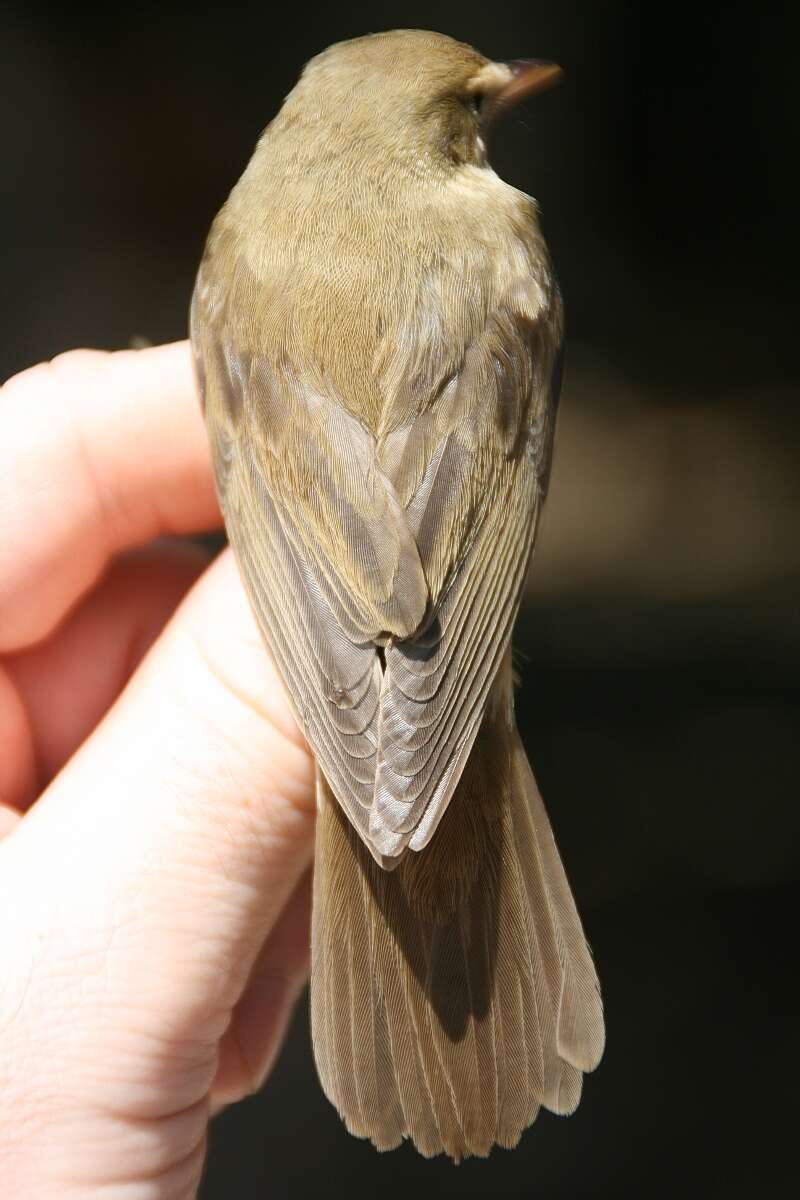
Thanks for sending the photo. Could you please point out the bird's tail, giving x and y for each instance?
(454, 996)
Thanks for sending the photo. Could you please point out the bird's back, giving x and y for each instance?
(373, 282)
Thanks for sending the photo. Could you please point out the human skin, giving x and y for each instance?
(156, 797)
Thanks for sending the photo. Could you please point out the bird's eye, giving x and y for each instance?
(475, 103)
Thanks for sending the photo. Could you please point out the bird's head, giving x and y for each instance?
(410, 96)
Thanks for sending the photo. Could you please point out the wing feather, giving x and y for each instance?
(473, 511)
(415, 539)
(325, 551)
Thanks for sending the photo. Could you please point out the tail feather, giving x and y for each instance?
(454, 996)
(581, 1027)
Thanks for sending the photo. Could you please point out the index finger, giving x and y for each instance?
(98, 452)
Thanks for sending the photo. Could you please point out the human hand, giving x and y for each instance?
(156, 797)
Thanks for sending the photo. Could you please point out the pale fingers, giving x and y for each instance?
(261, 1016)
(53, 694)
(97, 452)
(169, 844)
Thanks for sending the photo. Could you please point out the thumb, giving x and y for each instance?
(163, 853)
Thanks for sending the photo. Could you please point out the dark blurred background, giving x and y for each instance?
(660, 643)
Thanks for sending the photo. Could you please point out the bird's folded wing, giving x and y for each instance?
(419, 540)
(470, 473)
(325, 550)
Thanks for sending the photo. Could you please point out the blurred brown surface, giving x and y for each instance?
(669, 501)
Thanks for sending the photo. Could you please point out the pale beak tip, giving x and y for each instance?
(529, 78)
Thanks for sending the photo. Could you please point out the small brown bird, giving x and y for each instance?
(377, 332)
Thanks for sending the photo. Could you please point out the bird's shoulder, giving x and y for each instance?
(378, 297)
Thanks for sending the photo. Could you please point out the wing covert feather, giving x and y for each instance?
(417, 539)
(471, 472)
(326, 553)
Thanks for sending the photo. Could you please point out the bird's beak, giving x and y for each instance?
(529, 76)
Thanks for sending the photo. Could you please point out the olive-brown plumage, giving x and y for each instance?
(377, 328)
